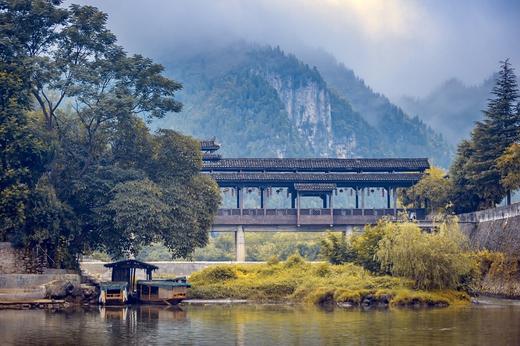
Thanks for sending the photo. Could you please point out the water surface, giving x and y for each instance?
(495, 323)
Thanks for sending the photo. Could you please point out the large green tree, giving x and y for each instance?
(110, 183)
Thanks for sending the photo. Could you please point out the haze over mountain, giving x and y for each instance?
(452, 108)
(260, 101)
(401, 47)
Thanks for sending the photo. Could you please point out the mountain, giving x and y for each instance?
(260, 101)
(401, 134)
(452, 108)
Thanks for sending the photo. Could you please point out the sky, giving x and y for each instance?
(399, 47)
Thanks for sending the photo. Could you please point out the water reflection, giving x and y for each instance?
(262, 325)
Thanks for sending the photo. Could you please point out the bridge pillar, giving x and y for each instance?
(395, 201)
(348, 231)
(240, 244)
(363, 201)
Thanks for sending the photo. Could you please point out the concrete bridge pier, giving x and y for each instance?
(240, 244)
(348, 231)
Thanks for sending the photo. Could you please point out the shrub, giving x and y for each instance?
(218, 273)
(322, 270)
(298, 281)
(273, 260)
(433, 260)
(294, 260)
(497, 265)
(366, 245)
(336, 249)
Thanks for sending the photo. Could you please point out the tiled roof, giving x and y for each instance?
(314, 187)
(209, 145)
(269, 178)
(318, 164)
(211, 157)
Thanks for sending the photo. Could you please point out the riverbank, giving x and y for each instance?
(297, 281)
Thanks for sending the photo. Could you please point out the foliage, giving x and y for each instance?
(319, 283)
(23, 155)
(498, 265)
(95, 176)
(431, 192)
(492, 136)
(509, 166)
(366, 245)
(433, 260)
(499, 273)
(463, 195)
(336, 249)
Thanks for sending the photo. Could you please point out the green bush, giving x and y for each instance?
(219, 273)
(434, 260)
(273, 260)
(366, 245)
(336, 249)
(294, 260)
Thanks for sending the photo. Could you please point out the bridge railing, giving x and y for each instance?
(310, 216)
(493, 214)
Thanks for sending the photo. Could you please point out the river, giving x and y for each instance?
(494, 322)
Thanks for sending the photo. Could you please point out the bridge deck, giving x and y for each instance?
(307, 217)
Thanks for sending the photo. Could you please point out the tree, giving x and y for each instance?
(110, 184)
(432, 192)
(509, 166)
(22, 153)
(491, 137)
(463, 194)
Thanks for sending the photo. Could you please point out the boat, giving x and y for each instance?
(113, 292)
(125, 288)
(167, 291)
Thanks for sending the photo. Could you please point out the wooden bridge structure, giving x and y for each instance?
(307, 194)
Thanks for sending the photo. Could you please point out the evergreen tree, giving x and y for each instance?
(462, 194)
(492, 136)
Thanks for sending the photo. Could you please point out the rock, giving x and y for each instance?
(77, 292)
(345, 305)
(58, 289)
(88, 290)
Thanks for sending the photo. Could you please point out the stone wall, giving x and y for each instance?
(19, 261)
(169, 268)
(495, 229)
(21, 281)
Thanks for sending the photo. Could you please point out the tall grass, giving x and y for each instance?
(298, 281)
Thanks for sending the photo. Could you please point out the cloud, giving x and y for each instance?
(397, 46)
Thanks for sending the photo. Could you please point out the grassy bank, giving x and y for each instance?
(298, 281)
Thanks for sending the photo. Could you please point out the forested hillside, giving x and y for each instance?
(261, 101)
